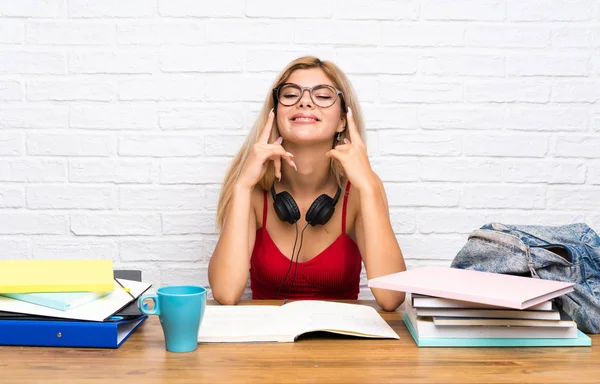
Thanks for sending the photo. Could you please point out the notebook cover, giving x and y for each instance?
(26, 276)
(68, 333)
(582, 340)
(474, 286)
(128, 274)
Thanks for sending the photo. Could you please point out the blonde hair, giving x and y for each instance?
(339, 80)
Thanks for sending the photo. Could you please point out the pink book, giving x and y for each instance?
(474, 286)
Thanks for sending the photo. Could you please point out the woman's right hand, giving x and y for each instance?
(261, 153)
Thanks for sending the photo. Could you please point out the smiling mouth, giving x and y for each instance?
(304, 119)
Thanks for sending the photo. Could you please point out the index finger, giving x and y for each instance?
(266, 132)
(352, 130)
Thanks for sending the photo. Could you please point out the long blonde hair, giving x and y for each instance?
(339, 80)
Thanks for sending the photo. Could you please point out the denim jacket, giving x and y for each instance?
(569, 253)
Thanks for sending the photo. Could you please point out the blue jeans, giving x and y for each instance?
(569, 253)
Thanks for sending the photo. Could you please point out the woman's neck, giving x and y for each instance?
(313, 176)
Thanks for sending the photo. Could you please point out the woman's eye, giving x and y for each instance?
(324, 97)
(290, 95)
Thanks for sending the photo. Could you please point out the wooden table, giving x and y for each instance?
(143, 360)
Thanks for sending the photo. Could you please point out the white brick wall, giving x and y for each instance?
(118, 119)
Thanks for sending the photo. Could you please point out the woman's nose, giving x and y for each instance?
(305, 100)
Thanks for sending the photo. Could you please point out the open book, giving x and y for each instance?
(252, 323)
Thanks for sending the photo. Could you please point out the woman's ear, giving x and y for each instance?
(342, 125)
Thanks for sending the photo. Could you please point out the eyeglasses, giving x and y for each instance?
(322, 95)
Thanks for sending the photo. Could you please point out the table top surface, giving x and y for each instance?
(321, 358)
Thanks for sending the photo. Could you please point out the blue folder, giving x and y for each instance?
(68, 333)
(582, 340)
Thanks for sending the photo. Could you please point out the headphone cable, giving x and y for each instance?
(291, 261)
(295, 266)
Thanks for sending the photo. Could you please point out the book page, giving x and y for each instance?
(243, 323)
(349, 319)
(462, 321)
(124, 329)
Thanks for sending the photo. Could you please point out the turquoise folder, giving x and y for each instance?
(582, 340)
(58, 300)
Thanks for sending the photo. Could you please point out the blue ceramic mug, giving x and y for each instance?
(180, 309)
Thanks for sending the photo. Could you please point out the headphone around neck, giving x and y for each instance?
(319, 213)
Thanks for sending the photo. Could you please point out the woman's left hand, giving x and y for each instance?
(353, 157)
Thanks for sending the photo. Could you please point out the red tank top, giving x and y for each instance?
(333, 274)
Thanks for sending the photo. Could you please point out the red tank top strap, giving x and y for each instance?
(265, 210)
(344, 207)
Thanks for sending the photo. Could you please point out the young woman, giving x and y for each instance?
(300, 207)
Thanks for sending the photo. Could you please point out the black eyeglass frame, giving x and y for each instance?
(338, 93)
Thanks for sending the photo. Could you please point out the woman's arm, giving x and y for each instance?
(229, 265)
(374, 234)
(377, 242)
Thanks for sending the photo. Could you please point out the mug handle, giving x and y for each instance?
(144, 308)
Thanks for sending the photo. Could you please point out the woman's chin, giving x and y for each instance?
(309, 140)
(305, 134)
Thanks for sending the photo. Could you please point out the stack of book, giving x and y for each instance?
(67, 303)
(438, 322)
(448, 307)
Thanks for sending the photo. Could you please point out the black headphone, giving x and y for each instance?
(319, 213)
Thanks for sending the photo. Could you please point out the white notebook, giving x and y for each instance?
(423, 301)
(269, 323)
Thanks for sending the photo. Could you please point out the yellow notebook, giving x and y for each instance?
(26, 276)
